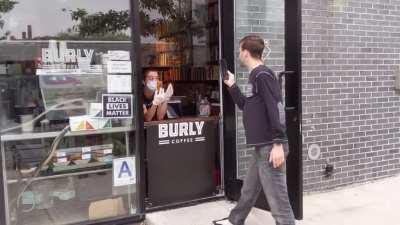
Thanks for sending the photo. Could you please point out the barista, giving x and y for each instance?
(155, 98)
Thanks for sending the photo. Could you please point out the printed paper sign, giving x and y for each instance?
(119, 67)
(119, 55)
(124, 171)
(117, 106)
(119, 84)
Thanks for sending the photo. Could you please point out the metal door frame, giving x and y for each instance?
(293, 43)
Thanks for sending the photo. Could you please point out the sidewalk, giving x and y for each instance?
(366, 204)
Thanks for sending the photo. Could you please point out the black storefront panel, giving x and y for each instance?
(181, 160)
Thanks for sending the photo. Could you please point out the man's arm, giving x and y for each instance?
(234, 91)
(270, 92)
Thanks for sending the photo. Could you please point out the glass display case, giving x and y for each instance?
(63, 159)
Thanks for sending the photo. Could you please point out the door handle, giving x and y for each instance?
(291, 111)
(284, 73)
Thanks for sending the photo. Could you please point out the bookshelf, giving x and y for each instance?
(173, 56)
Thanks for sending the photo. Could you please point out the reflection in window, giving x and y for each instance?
(53, 66)
(180, 39)
(67, 20)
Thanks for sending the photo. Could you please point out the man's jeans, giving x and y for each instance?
(262, 175)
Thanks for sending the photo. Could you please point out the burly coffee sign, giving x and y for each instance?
(180, 133)
(58, 52)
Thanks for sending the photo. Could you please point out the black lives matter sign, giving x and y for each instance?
(117, 106)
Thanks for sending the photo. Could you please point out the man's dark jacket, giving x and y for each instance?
(263, 111)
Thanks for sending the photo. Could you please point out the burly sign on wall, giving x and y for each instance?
(182, 132)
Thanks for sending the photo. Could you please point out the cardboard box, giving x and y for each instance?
(106, 209)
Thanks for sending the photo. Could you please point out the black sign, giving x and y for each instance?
(181, 158)
(117, 106)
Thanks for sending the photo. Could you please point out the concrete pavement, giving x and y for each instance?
(373, 203)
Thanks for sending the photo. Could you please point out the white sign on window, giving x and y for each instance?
(124, 171)
(119, 67)
(119, 84)
(119, 55)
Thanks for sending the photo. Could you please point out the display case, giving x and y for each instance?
(59, 156)
(67, 115)
(76, 185)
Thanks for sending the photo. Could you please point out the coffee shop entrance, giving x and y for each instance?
(87, 138)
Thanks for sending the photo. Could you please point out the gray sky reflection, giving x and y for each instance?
(47, 17)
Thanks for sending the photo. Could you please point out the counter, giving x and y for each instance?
(181, 159)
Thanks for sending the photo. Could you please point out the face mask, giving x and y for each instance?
(152, 85)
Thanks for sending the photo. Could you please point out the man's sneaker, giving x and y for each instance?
(224, 221)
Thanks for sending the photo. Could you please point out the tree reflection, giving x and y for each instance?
(159, 18)
(5, 7)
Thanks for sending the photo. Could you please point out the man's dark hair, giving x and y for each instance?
(254, 44)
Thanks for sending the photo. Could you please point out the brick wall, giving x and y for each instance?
(351, 50)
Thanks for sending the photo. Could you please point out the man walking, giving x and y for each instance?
(265, 129)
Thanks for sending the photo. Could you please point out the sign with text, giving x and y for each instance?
(119, 55)
(182, 132)
(117, 105)
(124, 171)
(119, 67)
(119, 84)
(181, 158)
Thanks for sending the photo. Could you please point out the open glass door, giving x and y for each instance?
(180, 47)
(279, 23)
(67, 113)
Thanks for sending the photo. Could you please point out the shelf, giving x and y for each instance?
(40, 135)
(12, 181)
(161, 68)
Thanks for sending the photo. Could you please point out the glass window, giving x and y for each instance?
(66, 111)
(267, 19)
(180, 40)
(180, 47)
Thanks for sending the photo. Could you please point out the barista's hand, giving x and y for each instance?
(169, 92)
(159, 97)
(231, 81)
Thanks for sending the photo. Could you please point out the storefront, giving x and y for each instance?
(76, 147)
